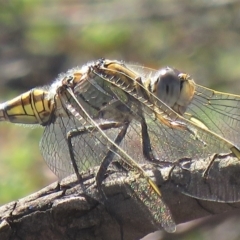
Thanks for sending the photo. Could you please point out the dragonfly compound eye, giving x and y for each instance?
(167, 86)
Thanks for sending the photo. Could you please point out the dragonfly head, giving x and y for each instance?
(174, 88)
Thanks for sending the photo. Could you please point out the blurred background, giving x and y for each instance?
(40, 39)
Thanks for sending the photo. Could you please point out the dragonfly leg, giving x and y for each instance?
(178, 163)
(147, 149)
(146, 144)
(71, 134)
(108, 159)
(83, 130)
(207, 170)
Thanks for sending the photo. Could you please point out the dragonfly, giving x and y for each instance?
(77, 137)
(108, 111)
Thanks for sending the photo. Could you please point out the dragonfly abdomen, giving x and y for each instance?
(32, 107)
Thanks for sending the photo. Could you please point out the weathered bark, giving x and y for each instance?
(62, 210)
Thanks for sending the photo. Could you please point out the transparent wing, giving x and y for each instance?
(110, 95)
(55, 149)
(195, 178)
(176, 138)
(91, 147)
(172, 135)
(219, 111)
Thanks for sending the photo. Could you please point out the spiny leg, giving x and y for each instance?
(146, 144)
(147, 148)
(108, 159)
(209, 166)
(80, 131)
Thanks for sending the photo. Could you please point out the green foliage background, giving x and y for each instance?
(39, 39)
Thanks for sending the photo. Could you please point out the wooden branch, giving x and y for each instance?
(63, 211)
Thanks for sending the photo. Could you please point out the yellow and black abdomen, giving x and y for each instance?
(32, 107)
